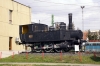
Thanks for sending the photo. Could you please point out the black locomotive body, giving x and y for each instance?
(40, 37)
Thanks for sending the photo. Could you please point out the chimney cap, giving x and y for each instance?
(70, 14)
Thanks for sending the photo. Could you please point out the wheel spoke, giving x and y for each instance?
(38, 50)
(58, 50)
(48, 50)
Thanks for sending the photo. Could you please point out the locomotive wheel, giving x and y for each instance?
(57, 50)
(48, 50)
(38, 50)
(66, 50)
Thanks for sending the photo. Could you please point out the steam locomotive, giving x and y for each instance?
(39, 37)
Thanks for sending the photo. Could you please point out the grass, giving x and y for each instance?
(32, 65)
(85, 59)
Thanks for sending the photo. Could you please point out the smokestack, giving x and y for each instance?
(70, 21)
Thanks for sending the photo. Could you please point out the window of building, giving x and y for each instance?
(10, 16)
(10, 43)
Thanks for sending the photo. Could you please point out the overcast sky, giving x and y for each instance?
(43, 9)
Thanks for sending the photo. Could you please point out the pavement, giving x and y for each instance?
(4, 54)
(68, 64)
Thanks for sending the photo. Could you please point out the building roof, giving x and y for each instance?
(21, 3)
(94, 30)
(93, 43)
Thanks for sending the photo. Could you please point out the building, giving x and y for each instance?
(95, 32)
(12, 14)
(85, 33)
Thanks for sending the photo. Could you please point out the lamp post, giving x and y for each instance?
(82, 18)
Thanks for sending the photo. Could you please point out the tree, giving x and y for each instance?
(89, 35)
(78, 28)
(99, 35)
(92, 36)
(73, 26)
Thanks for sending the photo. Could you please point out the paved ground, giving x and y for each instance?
(4, 54)
(55, 64)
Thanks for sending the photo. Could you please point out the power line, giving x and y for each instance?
(54, 2)
(90, 2)
(62, 4)
(62, 10)
(44, 19)
(68, 8)
(65, 4)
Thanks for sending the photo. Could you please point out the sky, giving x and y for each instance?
(43, 9)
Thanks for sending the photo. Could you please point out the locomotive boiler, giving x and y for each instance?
(39, 37)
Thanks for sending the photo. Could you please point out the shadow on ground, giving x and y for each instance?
(97, 59)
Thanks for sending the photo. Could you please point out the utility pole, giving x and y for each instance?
(82, 18)
(52, 20)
